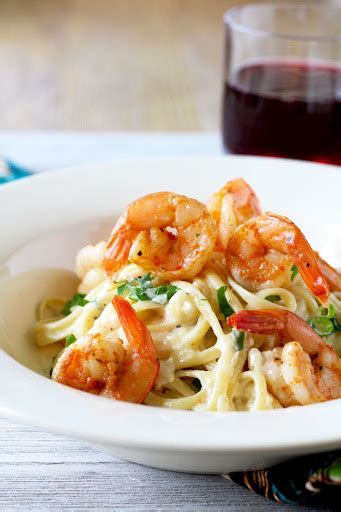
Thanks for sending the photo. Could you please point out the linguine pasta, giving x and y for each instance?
(204, 364)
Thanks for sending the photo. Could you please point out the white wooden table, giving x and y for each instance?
(42, 471)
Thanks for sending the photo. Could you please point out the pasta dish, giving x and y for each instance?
(216, 307)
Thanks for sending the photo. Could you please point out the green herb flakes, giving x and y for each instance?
(238, 339)
(121, 289)
(142, 288)
(225, 309)
(70, 339)
(273, 298)
(77, 300)
(294, 272)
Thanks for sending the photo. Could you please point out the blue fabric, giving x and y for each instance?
(13, 171)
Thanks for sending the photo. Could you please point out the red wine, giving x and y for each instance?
(284, 109)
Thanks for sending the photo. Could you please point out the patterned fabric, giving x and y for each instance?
(297, 480)
(10, 171)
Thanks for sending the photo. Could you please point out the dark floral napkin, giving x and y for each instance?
(296, 481)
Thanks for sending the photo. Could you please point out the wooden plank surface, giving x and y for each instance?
(111, 64)
(40, 471)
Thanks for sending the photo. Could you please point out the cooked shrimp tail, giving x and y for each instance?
(262, 251)
(104, 366)
(331, 275)
(143, 367)
(117, 253)
(306, 370)
(285, 323)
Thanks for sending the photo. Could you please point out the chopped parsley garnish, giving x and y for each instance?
(326, 323)
(77, 300)
(70, 339)
(273, 298)
(294, 272)
(224, 306)
(141, 288)
(238, 339)
(161, 294)
(145, 281)
(121, 289)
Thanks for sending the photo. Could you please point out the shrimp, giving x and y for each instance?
(170, 235)
(262, 251)
(331, 275)
(104, 366)
(306, 370)
(230, 206)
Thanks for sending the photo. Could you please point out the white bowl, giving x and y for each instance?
(47, 218)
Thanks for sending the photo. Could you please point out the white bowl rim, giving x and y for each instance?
(52, 412)
(33, 399)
